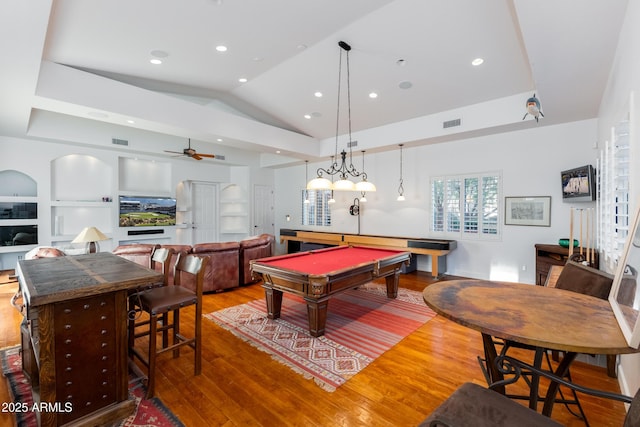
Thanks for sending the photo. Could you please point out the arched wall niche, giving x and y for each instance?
(17, 184)
(78, 177)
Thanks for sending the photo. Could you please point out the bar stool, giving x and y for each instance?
(160, 301)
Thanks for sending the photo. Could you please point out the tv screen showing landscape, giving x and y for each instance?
(143, 211)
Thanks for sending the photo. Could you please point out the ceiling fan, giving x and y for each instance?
(191, 152)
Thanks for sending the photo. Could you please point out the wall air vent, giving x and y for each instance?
(451, 123)
(117, 141)
(352, 144)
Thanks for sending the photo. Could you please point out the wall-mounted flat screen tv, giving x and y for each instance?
(578, 185)
(147, 211)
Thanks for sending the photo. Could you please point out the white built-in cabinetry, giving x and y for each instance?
(17, 188)
(234, 211)
(81, 196)
(84, 191)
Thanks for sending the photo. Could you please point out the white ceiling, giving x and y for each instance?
(90, 59)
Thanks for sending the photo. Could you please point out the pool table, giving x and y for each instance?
(317, 275)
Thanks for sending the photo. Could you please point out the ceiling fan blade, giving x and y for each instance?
(196, 156)
(211, 156)
(173, 152)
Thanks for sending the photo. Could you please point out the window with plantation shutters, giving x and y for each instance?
(315, 207)
(613, 188)
(466, 206)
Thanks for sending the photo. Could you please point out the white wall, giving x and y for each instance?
(33, 158)
(530, 162)
(624, 80)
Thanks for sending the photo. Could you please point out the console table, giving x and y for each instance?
(76, 315)
(549, 255)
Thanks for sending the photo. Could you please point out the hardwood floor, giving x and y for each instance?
(242, 386)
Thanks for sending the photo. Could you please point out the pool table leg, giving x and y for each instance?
(274, 302)
(317, 313)
(392, 284)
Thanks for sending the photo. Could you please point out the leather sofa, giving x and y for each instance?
(229, 261)
(261, 246)
(140, 253)
(223, 269)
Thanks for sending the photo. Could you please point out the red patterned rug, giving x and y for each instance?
(361, 325)
(149, 412)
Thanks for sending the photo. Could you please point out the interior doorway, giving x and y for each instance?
(204, 202)
(263, 210)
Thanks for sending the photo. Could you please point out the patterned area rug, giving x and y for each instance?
(361, 325)
(149, 412)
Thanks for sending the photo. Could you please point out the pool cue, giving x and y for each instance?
(571, 233)
(580, 232)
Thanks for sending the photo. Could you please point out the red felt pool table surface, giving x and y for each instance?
(317, 275)
(326, 261)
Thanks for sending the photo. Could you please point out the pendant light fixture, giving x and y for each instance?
(400, 188)
(343, 171)
(331, 199)
(306, 178)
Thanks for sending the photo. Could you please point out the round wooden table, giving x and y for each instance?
(538, 316)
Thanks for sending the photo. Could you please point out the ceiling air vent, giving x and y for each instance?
(117, 141)
(451, 123)
(352, 144)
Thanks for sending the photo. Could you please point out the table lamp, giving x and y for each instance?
(91, 236)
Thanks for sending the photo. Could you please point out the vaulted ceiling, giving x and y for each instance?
(91, 60)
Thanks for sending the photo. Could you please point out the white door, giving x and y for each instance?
(263, 211)
(204, 199)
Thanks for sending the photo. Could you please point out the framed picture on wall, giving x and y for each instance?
(534, 211)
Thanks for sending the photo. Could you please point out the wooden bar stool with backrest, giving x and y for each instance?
(160, 261)
(159, 301)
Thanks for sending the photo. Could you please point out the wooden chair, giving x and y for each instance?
(160, 260)
(475, 406)
(160, 301)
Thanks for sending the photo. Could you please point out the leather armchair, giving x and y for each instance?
(140, 253)
(222, 272)
(261, 246)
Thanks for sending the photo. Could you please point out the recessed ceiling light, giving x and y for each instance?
(221, 48)
(130, 121)
(401, 62)
(277, 151)
(242, 79)
(318, 94)
(477, 61)
(155, 61)
(373, 95)
(307, 116)
(219, 139)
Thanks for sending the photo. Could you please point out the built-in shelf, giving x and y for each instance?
(234, 210)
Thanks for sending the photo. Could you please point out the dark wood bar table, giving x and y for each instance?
(76, 348)
(543, 317)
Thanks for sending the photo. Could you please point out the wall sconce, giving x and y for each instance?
(288, 218)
